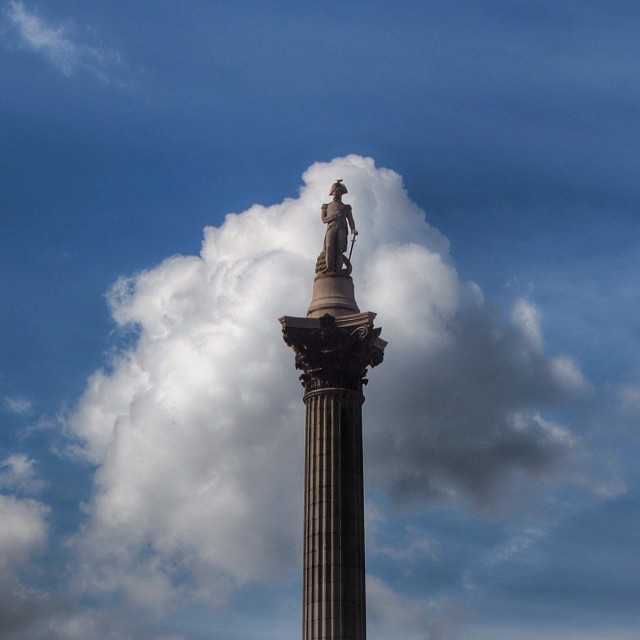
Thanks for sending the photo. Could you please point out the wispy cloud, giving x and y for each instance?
(391, 613)
(629, 397)
(18, 405)
(519, 550)
(63, 45)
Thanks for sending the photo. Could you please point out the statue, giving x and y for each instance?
(336, 215)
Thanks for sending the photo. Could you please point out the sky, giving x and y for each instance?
(162, 171)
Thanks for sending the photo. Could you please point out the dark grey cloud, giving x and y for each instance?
(465, 418)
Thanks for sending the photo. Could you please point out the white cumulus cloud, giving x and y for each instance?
(196, 430)
(23, 530)
(23, 535)
(18, 473)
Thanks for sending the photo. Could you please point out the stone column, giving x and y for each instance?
(334, 353)
(333, 588)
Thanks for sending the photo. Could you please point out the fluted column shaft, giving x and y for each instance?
(334, 571)
(334, 354)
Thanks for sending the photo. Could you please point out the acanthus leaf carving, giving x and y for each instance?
(332, 356)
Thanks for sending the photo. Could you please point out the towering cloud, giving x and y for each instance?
(196, 427)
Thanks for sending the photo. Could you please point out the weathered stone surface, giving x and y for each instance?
(334, 347)
(334, 352)
(334, 603)
(336, 215)
(333, 293)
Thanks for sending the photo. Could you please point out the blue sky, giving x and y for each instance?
(490, 151)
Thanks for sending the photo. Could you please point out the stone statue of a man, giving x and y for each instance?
(335, 215)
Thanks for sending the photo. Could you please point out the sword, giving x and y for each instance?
(353, 241)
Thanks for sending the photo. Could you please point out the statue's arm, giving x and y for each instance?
(323, 213)
(352, 224)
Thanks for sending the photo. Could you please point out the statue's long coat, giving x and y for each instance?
(335, 216)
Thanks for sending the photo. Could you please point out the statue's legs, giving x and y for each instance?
(335, 242)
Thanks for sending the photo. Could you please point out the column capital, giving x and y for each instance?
(334, 352)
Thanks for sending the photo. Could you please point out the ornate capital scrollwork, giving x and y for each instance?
(334, 353)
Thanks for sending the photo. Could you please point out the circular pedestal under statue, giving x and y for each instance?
(333, 294)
